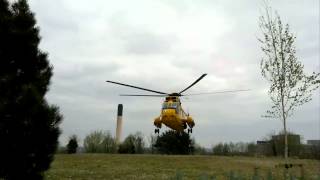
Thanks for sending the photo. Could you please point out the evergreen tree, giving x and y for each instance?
(28, 124)
(172, 142)
(72, 144)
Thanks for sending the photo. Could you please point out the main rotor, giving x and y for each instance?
(164, 94)
(158, 93)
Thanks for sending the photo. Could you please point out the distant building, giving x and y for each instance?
(311, 150)
(263, 142)
(294, 144)
(264, 148)
(275, 147)
(313, 142)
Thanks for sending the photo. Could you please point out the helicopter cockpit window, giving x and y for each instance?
(164, 106)
(171, 105)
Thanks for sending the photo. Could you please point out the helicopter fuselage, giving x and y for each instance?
(173, 116)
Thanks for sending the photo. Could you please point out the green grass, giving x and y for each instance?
(107, 166)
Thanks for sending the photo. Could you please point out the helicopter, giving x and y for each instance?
(172, 114)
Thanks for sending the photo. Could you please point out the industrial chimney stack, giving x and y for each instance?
(119, 124)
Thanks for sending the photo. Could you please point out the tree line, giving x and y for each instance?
(171, 142)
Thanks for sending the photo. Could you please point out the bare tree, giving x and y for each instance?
(290, 87)
(139, 143)
(99, 142)
(133, 144)
(152, 140)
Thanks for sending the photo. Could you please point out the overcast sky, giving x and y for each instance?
(165, 45)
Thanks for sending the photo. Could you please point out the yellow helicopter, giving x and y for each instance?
(172, 115)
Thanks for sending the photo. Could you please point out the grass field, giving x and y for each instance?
(106, 166)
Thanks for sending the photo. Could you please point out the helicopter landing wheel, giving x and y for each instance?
(184, 126)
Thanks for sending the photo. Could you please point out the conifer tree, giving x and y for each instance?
(28, 123)
(72, 144)
(172, 142)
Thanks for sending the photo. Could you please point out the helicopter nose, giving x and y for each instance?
(169, 117)
(169, 112)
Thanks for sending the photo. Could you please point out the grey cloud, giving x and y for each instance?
(147, 43)
(139, 40)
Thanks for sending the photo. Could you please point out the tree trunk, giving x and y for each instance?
(285, 138)
(284, 126)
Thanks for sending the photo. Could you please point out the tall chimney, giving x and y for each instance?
(119, 123)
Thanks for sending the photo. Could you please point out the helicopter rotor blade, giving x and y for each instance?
(137, 87)
(217, 92)
(202, 76)
(148, 95)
